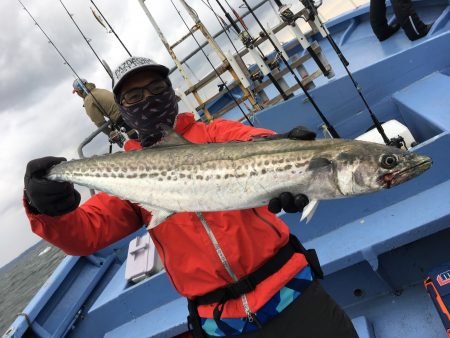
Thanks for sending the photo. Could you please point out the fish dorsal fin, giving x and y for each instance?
(170, 138)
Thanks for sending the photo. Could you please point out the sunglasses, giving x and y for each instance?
(136, 95)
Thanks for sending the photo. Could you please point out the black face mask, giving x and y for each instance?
(149, 115)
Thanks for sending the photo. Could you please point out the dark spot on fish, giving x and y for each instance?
(120, 175)
(253, 173)
(319, 163)
(164, 173)
(116, 168)
(346, 157)
(218, 177)
(226, 176)
(105, 175)
(358, 177)
(97, 175)
(287, 167)
(182, 175)
(266, 162)
(113, 175)
(153, 175)
(263, 171)
(143, 175)
(169, 178)
(108, 169)
(160, 179)
(199, 177)
(132, 176)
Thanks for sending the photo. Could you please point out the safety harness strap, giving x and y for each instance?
(249, 282)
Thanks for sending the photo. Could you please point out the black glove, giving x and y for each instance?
(288, 202)
(48, 197)
(298, 133)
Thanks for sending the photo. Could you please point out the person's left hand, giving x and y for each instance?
(286, 201)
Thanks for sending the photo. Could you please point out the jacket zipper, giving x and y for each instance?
(251, 316)
(267, 222)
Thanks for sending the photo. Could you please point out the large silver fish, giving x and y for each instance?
(177, 175)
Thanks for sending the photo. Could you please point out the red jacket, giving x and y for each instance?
(247, 237)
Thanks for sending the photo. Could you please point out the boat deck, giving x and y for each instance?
(375, 249)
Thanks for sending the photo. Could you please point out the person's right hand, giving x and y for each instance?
(48, 197)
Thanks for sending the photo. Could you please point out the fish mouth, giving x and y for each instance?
(397, 177)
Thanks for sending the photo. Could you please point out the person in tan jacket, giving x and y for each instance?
(101, 107)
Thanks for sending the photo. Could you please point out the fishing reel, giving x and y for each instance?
(398, 142)
(274, 63)
(246, 39)
(257, 76)
(287, 15)
(117, 137)
(311, 7)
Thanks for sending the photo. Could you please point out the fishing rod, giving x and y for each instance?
(249, 42)
(110, 27)
(86, 39)
(314, 17)
(66, 62)
(328, 125)
(288, 16)
(223, 25)
(226, 29)
(209, 61)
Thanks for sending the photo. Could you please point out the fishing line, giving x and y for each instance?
(209, 61)
(288, 17)
(223, 25)
(111, 28)
(397, 142)
(248, 42)
(86, 39)
(330, 128)
(66, 62)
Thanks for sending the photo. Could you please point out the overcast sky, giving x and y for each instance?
(39, 115)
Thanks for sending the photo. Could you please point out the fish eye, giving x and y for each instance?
(388, 161)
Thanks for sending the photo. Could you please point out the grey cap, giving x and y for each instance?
(131, 66)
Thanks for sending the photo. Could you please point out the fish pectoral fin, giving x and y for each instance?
(158, 215)
(309, 210)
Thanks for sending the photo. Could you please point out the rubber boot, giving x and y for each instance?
(378, 20)
(409, 20)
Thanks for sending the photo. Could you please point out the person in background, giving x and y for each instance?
(407, 18)
(246, 275)
(101, 107)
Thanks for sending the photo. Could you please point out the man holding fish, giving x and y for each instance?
(246, 274)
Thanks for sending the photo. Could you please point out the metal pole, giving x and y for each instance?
(220, 53)
(174, 57)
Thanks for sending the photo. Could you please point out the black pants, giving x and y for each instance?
(406, 16)
(314, 314)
